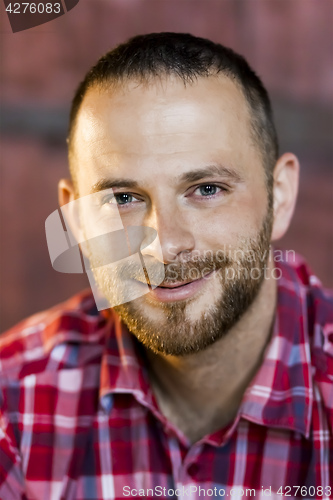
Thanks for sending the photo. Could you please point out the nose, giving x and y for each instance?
(174, 235)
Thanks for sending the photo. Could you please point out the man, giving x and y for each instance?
(219, 380)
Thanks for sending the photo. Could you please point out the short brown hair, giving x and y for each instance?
(187, 57)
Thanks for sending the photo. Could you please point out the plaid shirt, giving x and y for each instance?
(78, 418)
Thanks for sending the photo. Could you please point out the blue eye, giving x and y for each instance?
(208, 189)
(123, 198)
(119, 199)
(209, 192)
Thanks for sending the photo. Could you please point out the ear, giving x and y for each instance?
(70, 210)
(66, 191)
(285, 188)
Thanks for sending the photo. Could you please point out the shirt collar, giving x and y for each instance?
(123, 365)
(279, 396)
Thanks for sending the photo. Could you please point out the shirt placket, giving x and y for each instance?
(184, 468)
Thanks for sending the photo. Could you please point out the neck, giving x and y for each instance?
(201, 392)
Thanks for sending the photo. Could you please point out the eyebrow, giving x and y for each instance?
(196, 175)
(111, 183)
(191, 176)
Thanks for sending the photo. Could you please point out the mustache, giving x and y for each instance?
(159, 274)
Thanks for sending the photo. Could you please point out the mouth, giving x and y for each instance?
(181, 290)
(177, 284)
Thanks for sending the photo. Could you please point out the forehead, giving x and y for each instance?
(162, 120)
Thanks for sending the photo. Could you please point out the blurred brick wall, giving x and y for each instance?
(287, 42)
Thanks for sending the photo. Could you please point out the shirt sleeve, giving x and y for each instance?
(12, 483)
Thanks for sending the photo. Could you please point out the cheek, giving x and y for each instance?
(207, 301)
(227, 224)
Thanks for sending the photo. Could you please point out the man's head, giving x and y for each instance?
(181, 130)
(158, 55)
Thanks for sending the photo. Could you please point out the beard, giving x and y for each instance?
(238, 276)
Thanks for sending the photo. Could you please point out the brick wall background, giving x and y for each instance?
(289, 43)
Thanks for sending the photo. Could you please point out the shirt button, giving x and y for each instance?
(193, 470)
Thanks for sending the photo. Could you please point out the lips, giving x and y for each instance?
(179, 291)
(176, 285)
(179, 284)
(173, 288)
(170, 285)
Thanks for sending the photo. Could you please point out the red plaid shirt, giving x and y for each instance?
(79, 420)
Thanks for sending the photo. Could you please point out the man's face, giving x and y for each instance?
(195, 176)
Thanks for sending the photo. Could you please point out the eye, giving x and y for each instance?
(119, 199)
(207, 190)
(123, 198)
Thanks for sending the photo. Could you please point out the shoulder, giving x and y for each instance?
(297, 277)
(318, 307)
(28, 347)
(315, 305)
(49, 367)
